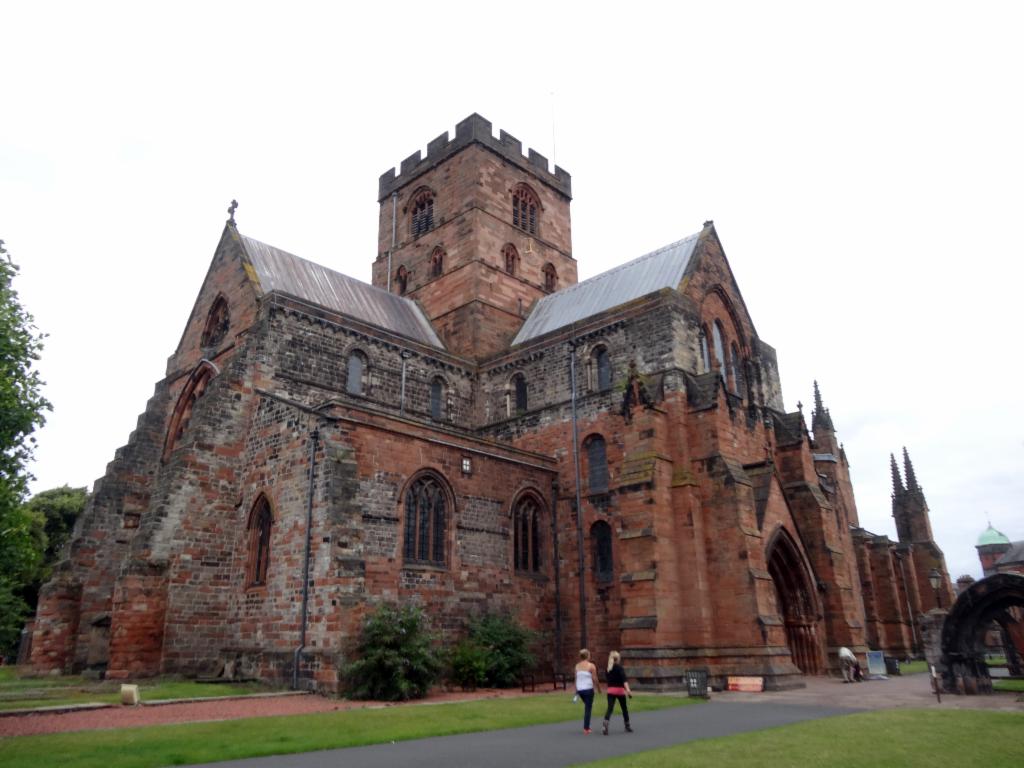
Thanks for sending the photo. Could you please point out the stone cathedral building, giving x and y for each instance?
(610, 461)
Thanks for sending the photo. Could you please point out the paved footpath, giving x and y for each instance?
(557, 745)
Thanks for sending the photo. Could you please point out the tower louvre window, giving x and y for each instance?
(422, 213)
(437, 262)
(550, 277)
(524, 209)
(511, 258)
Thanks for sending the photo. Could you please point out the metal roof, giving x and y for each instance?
(660, 269)
(282, 272)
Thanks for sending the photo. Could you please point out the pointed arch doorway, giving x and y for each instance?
(796, 603)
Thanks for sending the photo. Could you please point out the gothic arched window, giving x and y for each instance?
(526, 534)
(734, 369)
(217, 323)
(719, 345)
(402, 279)
(437, 398)
(705, 355)
(261, 519)
(597, 464)
(524, 209)
(519, 393)
(550, 277)
(356, 373)
(601, 364)
(511, 258)
(422, 213)
(426, 520)
(601, 541)
(437, 262)
(194, 389)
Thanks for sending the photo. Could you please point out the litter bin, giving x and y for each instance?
(697, 682)
(892, 665)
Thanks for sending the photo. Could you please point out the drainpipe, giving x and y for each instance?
(314, 437)
(579, 500)
(406, 354)
(394, 233)
(555, 558)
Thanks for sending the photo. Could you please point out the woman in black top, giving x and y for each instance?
(618, 690)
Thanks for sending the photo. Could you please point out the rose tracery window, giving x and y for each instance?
(526, 535)
(422, 213)
(524, 209)
(217, 323)
(426, 513)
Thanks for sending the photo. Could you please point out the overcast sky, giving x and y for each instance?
(863, 167)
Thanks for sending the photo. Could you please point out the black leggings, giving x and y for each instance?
(622, 706)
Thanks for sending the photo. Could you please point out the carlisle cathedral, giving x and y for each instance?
(609, 461)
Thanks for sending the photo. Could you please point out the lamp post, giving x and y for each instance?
(935, 578)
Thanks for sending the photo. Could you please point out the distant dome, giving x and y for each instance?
(992, 536)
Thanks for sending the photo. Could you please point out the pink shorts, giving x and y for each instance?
(614, 690)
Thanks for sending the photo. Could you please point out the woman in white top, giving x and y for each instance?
(586, 685)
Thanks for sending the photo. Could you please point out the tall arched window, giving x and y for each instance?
(526, 534)
(354, 381)
(437, 262)
(511, 258)
(426, 520)
(437, 398)
(601, 365)
(597, 464)
(716, 336)
(524, 209)
(217, 323)
(519, 393)
(401, 279)
(550, 277)
(422, 213)
(734, 369)
(601, 542)
(194, 389)
(261, 519)
(705, 355)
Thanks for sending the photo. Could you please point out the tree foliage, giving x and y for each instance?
(396, 658)
(506, 648)
(22, 407)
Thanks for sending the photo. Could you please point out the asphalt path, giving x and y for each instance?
(557, 745)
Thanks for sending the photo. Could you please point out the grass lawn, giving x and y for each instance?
(21, 691)
(913, 667)
(1007, 685)
(207, 742)
(906, 737)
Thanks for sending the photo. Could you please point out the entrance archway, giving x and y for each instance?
(796, 602)
(996, 600)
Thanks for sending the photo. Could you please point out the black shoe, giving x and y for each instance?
(604, 728)
(629, 728)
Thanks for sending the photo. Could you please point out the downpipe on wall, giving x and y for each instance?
(314, 438)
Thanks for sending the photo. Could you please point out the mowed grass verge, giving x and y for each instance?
(908, 738)
(19, 690)
(208, 742)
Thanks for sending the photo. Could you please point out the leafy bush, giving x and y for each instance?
(505, 646)
(468, 663)
(397, 661)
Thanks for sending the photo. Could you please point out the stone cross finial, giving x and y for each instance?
(231, 212)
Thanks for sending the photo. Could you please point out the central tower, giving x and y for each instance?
(475, 232)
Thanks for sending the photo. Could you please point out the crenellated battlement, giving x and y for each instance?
(479, 130)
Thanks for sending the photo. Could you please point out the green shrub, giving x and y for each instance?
(505, 646)
(468, 662)
(396, 658)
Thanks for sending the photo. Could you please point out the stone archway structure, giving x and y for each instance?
(997, 599)
(797, 603)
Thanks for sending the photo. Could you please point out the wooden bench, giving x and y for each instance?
(559, 680)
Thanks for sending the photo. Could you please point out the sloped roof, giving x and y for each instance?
(660, 269)
(282, 272)
(1014, 555)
